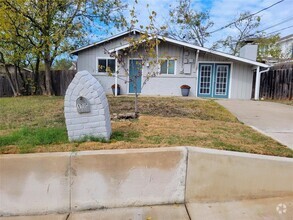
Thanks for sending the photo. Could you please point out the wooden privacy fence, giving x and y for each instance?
(277, 83)
(5, 89)
(60, 81)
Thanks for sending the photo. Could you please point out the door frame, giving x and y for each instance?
(129, 59)
(215, 62)
(227, 83)
(211, 80)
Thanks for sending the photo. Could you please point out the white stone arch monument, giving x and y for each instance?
(86, 108)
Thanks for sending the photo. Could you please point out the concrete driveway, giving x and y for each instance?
(272, 119)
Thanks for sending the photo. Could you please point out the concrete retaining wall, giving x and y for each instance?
(34, 183)
(65, 182)
(216, 176)
(128, 178)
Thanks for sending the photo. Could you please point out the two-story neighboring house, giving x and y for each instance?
(286, 46)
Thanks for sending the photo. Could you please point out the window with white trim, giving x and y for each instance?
(168, 67)
(106, 65)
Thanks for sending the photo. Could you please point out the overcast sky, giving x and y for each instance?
(222, 12)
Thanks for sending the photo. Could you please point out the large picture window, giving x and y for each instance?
(105, 65)
(168, 67)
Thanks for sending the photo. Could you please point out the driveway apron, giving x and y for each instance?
(272, 119)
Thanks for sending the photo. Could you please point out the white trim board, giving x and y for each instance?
(74, 52)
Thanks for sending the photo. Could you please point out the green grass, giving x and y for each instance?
(125, 135)
(31, 111)
(28, 138)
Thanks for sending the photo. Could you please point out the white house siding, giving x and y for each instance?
(241, 81)
(286, 45)
(169, 86)
(241, 73)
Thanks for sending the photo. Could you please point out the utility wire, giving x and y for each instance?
(282, 22)
(228, 25)
(280, 30)
(289, 19)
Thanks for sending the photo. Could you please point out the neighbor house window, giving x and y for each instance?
(168, 67)
(105, 65)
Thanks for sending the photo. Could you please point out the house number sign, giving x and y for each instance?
(83, 105)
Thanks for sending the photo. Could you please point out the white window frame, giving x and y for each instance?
(175, 65)
(104, 58)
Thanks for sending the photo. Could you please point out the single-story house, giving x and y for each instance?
(209, 73)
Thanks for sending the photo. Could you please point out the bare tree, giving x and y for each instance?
(245, 25)
(145, 47)
(188, 24)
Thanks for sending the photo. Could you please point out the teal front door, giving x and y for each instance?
(213, 80)
(135, 74)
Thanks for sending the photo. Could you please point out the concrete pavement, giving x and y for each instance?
(272, 119)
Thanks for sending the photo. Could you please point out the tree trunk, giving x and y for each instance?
(136, 104)
(39, 88)
(8, 76)
(16, 80)
(48, 80)
(25, 85)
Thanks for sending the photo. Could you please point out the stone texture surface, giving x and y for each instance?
(34, 184)
(257, 209)
(95, 123)
(215, 175)
(170, 212)
(120, 178)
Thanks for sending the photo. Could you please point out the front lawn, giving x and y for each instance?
(36, 124)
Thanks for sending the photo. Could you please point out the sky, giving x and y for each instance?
(222, 12)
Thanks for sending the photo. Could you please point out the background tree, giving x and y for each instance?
(188, 24)
(13, 50)
(245, 25)
(268, 47)
(62, 64)
(57, 26)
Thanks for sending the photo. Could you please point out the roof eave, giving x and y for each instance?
(240, 59)
(75, 52)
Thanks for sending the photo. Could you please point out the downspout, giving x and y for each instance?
(257, 81)
(196, 69)
(196, 60)
(116, 73)
(157, 55)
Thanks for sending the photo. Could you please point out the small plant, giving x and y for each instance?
(113, 86)
(185, 90)
(185, 87)
(118, 89)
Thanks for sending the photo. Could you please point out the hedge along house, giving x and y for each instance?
(209, 73)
